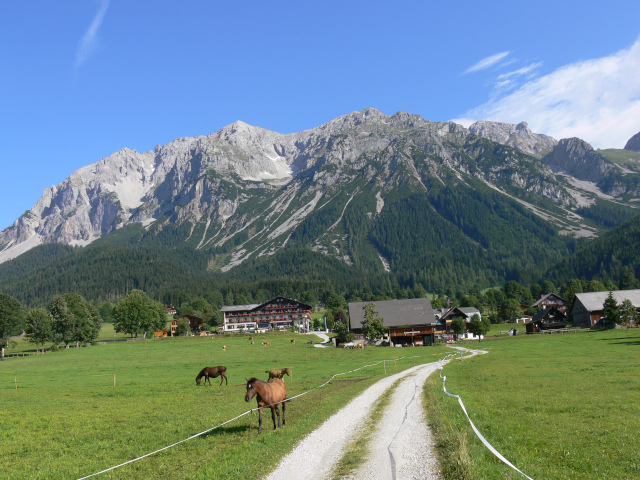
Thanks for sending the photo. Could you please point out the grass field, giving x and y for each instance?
(556, 406)
(67, 420)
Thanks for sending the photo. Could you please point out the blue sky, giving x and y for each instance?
(81, 79)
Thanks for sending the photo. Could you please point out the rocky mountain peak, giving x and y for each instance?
(577, 158)
(634, 143)
(518, 136)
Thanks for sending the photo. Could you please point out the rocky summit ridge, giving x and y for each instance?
(247, 191)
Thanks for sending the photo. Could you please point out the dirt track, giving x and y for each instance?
(400, 449)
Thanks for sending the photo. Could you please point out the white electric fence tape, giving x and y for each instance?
(235, 418)
(487, 444)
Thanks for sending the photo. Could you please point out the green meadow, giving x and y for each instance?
(67, 420)
(560, 406)
(556, 406)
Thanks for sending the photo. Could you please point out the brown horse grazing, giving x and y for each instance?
(214, 372)
(265, 342)
(269, 394)
(293, 340)
(278, 373)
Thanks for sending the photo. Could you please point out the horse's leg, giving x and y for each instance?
(208, 378)
(273, 416)
(225, 379)
(259, 420)
(283, 405)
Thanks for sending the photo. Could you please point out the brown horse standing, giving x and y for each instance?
(278, 373)
(269, 394)
(214, 372)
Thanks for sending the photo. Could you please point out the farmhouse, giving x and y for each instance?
(550, 318)
(195, 323)
(551, 299)
(279, 312)
(410, 322)
(588, 307)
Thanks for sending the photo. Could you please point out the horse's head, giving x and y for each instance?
(251, 389)
(198, 381)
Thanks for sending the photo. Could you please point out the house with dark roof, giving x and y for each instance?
(551, 299)
(466, 313)
(588, 308)
(551, 317)
(410, 322)
(195, 323)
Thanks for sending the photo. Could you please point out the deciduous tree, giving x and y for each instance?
(372, 326)
(479, 326)
(138, 313)
(10, 320)
(458, 325)
(628, 313)
(37, 327)
(510, 310)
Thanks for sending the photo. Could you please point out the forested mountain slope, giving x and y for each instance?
(364, 199)
(605, 258)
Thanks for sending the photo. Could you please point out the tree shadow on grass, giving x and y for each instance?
(226, 430)
(621, 341)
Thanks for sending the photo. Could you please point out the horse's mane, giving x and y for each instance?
(254, 379)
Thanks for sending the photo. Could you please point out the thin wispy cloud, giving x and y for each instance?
(521, 71)
(597, 100)
(509, 80)
(486, 62)
(89, 40)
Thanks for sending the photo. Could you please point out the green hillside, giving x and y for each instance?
(604, 258)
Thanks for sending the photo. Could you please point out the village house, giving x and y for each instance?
(551, 299)
(277, 313)
(410, 322)
(551, 317)
(466, 313)
(588, 308)
(195, 324)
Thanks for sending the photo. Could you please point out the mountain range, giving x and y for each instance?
(395, 199)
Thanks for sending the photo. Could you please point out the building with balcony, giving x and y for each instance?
(277, 313)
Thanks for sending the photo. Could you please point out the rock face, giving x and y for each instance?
(634, 143)
(247, 191)
(578, 159)
(517, 136)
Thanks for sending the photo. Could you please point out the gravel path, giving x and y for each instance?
(401, 448)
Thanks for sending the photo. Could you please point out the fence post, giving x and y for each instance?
(385, 367)
(16, 380)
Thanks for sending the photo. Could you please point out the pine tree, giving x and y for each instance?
(611, 313)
